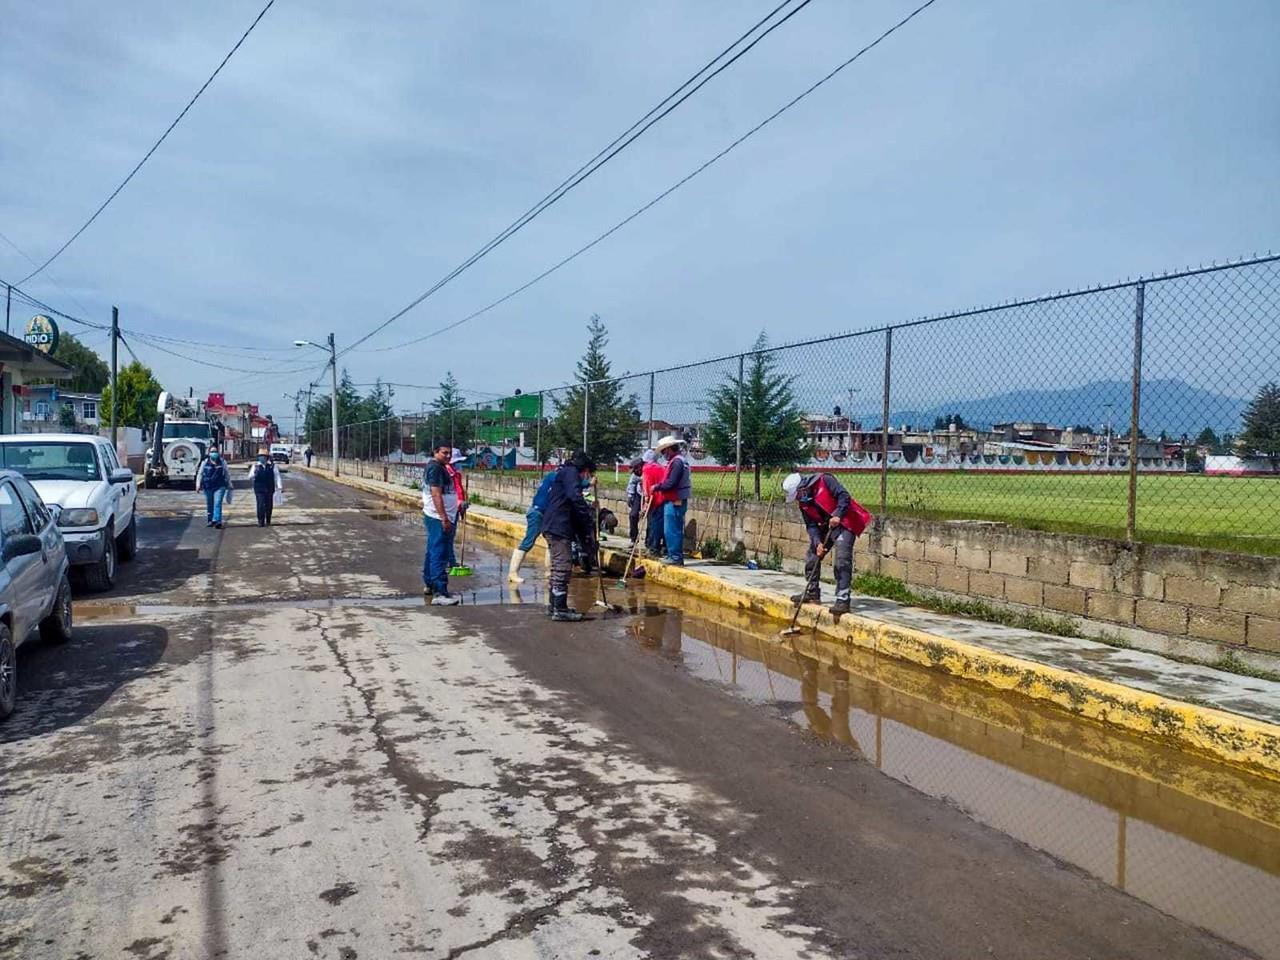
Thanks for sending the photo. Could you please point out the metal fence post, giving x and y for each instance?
(737, 458)
(884, 429)
(538, 443)
(586, 406)
(1139, 309)
(649, 445)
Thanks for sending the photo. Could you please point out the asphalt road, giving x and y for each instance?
(262, 744)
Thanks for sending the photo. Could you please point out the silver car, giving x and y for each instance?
(35, 593)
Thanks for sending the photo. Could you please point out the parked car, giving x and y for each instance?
(82, 475)
(35, 593)
(281, 452)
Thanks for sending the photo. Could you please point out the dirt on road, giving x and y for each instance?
(263, 744)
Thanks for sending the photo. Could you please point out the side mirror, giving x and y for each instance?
(22, 546)
(122, 475)
(55, 510)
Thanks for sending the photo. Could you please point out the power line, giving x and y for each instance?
(665, 193)
(616, 146)
(155, 146)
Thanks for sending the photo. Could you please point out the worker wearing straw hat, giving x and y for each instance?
(676, 489)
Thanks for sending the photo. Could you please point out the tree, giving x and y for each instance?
(1261, 434)
(67, 418)
(772, 432)
(139, 391)
(1208, 439)
(944, 423)
(448, 406)
(92, 374)
(613, 420)
(320, 419)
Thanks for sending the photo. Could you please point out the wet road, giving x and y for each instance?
(262, 744)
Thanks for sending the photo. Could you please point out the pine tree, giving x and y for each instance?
(448, 405)
(1261, 435)
(772, 432)
(613, 419)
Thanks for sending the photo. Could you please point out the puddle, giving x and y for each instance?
(1195, 840)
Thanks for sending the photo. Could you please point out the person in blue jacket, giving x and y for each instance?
(567, 517)
(532, 527)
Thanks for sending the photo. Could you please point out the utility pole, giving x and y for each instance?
(115, 387)
(586, 406)
(333, 400)
(8, 302)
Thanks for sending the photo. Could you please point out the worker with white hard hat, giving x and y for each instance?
(833, 519)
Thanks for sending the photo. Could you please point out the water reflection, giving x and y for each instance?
(1192, 838)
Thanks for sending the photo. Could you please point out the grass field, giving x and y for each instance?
(1223, 513)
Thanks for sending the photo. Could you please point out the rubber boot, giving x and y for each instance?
(513, 571)
(561, 612)
(809, 596)
(840, 607)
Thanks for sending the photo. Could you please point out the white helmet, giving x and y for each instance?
(790, 486)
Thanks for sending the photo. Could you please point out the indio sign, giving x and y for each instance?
(42, 333)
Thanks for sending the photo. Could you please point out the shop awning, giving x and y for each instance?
(33, 364)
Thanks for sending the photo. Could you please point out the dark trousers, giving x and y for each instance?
(843, 550)
(265, 505)
(633, 528)
(561, 551)
(654, 538)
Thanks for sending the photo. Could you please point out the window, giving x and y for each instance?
(90, 410)
(36, 509)
(42, 409)
(13, 518)
(108, 457)
(51, 460)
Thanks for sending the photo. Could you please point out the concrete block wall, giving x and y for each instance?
(1179, 591)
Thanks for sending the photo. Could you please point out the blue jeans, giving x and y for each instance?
(532, 527)
(435, 563)
(673, 529)
(213, 504)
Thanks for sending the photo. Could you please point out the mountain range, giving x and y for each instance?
(1169, 405)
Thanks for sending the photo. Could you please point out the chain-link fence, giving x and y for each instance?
(1144, 410)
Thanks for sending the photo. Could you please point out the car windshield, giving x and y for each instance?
(51, 460)
(199, 431)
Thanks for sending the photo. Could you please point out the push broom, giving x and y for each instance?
(462, 570)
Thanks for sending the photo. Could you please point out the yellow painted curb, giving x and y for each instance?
(1226, 737)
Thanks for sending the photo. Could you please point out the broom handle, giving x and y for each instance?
(644, 514)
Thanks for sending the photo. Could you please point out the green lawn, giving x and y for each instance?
(1226, 513)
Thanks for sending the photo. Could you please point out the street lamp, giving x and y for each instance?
(333, 396)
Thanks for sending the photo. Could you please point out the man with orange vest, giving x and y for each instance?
(830, 516)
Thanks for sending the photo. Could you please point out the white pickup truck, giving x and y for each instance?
(82, 475)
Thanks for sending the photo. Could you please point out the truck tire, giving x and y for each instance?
(102, 575)
(8, 672)
(127, 545)
(56, 627)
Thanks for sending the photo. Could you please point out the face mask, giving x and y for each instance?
(262, 459)
(215, 456)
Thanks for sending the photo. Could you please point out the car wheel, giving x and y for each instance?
(8, 672)
(128, 543)
(102, 575)
(56, 627)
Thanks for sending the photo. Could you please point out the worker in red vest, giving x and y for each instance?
(830, 515)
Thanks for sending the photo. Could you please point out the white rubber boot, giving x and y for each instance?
(513, 571)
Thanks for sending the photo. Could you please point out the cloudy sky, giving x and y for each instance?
(351, 154)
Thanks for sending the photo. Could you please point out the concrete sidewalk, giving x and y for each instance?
(1230, 717)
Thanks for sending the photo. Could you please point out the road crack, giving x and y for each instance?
(522, 922)
(422, 791)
